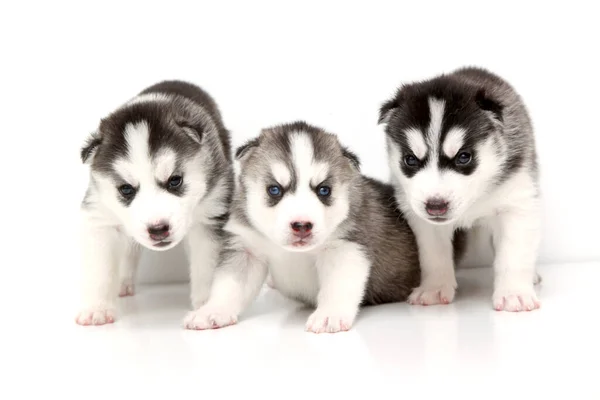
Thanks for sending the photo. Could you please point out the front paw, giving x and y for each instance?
(514, 297)
(95, 316)
(430, 293)
(209, 318)
(322, 321)
(127, 288)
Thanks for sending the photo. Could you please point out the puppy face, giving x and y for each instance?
(445, 149)
(148, 169)
(296, 180)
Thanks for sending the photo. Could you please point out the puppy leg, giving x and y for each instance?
(343, 272)
(438, 281)
(237, 282)
(203, 247)
(102, 251)
(129, 269)
(517, 235)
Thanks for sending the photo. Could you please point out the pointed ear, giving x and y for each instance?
(353, 158)
(89, 147)
(487, 103)
(386, 111)
(245, 149)
(191, 129)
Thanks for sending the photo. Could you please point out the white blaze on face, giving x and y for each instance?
(153, 204)
(431, 182)
(300, 203)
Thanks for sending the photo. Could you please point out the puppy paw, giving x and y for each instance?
(515, 298)
(209, 318)
(127, 288)
(270, 282)
(322, 321)
(433, 293)
(95, 316)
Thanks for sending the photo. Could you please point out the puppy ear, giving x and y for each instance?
(386, 111)
(191, 129)
(353, 158)
(487, 103)
(89, 147)
(244, 149)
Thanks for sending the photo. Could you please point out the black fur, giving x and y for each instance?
(467, 105)
(90, 145)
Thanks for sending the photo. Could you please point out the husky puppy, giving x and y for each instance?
(328, 236)
(462, 157)
(160, 172)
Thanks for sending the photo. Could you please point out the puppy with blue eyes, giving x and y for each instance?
(161, 173)
(327, 235)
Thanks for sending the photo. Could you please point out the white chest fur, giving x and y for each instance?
(295, 274)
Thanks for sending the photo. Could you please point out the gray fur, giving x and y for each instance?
(186, 109)
(373, 222)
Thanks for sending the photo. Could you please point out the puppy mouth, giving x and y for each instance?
(439, 220)
(301, 243)
(162, 243)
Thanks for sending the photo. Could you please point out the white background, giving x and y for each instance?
(65, 65)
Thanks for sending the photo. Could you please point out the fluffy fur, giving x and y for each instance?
(329, 237)
(462, 156)
(160, 173)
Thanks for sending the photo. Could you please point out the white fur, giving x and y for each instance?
(510, 212)
(300, 206)
(436, 117)
(111, 231)
(453, 141)
(149, 97)
(416, 142)
(281, 173)
(152, 204)
(329, 273)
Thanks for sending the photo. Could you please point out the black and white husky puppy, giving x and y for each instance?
(329, 236)
(462, 156)
(160, 172)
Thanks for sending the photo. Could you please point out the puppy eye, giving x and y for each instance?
(323, 191)
(274, 190)
(174, 181)
(463, 158)
(126, 190)
(411, 161)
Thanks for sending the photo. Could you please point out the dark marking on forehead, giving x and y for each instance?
(462, 109)
(164, 131)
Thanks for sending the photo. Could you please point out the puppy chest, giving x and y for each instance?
(295, 276)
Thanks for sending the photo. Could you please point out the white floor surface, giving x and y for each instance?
(463, 350)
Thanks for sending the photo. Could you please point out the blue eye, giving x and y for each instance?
(324, 191)
(274, 190)
(463, 158)
(126, 190)
(411, 161)
(175, 181)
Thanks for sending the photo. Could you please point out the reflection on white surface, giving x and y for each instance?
(465, 349)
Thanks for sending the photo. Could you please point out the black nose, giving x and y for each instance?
(302, 228)
(159, 231)
(436, 207)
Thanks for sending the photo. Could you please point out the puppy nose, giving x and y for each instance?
(301, 228)
(158, 231)
(436, 207)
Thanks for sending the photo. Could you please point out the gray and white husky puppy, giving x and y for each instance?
(462, 156)
(329, 236)
(160, 172)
